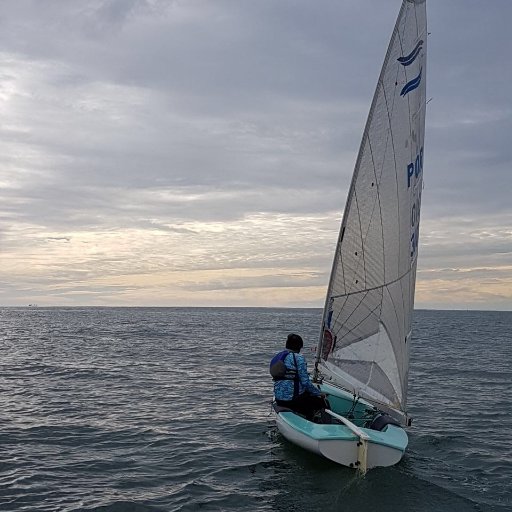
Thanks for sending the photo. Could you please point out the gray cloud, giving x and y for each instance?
(151, 119)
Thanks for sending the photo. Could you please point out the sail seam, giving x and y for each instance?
(371, 289)
(398, 326)
(372, 311)
(358, 266)
(374, 206)
(352, 190)
(378, 201)
(354, 178)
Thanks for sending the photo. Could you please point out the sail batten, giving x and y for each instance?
(368, 308)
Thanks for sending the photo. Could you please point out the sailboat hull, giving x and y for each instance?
(340, 443)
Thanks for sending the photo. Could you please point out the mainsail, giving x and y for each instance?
(367, 317)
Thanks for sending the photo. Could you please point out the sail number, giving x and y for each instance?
(414, 170)
(415, 222)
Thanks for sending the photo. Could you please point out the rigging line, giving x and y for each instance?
(372, 366)
(372, 400)
(348, 318)
(349, 331)
(421, 107)
(355, 401)
(342, 307)
(372, 311)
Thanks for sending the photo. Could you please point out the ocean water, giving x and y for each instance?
(140, 409)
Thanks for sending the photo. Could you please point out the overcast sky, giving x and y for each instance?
(199, 152)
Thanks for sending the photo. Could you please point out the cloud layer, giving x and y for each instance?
(199, 153)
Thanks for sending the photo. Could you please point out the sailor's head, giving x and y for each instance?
(294, 342)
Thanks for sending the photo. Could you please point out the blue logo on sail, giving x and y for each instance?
(409, 59)
(411, 85)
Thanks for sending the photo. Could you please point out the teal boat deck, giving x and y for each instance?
(317, 431)
(342, 403)
(394, 437)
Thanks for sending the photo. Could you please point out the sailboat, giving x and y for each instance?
(362, 360)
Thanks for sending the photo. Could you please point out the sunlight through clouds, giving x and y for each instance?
(190, 263)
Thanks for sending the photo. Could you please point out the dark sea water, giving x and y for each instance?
(130, 410)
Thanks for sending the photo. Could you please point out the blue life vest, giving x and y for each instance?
(280, 371)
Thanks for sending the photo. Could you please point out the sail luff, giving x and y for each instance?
(354, 178)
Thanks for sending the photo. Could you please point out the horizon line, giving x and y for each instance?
(36, 306)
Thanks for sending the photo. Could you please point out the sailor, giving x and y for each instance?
(292, 387)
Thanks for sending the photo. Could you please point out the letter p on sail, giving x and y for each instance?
(410, 174)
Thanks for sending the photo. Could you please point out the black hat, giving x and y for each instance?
(294, 342)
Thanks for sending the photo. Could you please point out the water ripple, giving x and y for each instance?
(157, 410)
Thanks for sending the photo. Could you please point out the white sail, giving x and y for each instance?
(370, 298)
